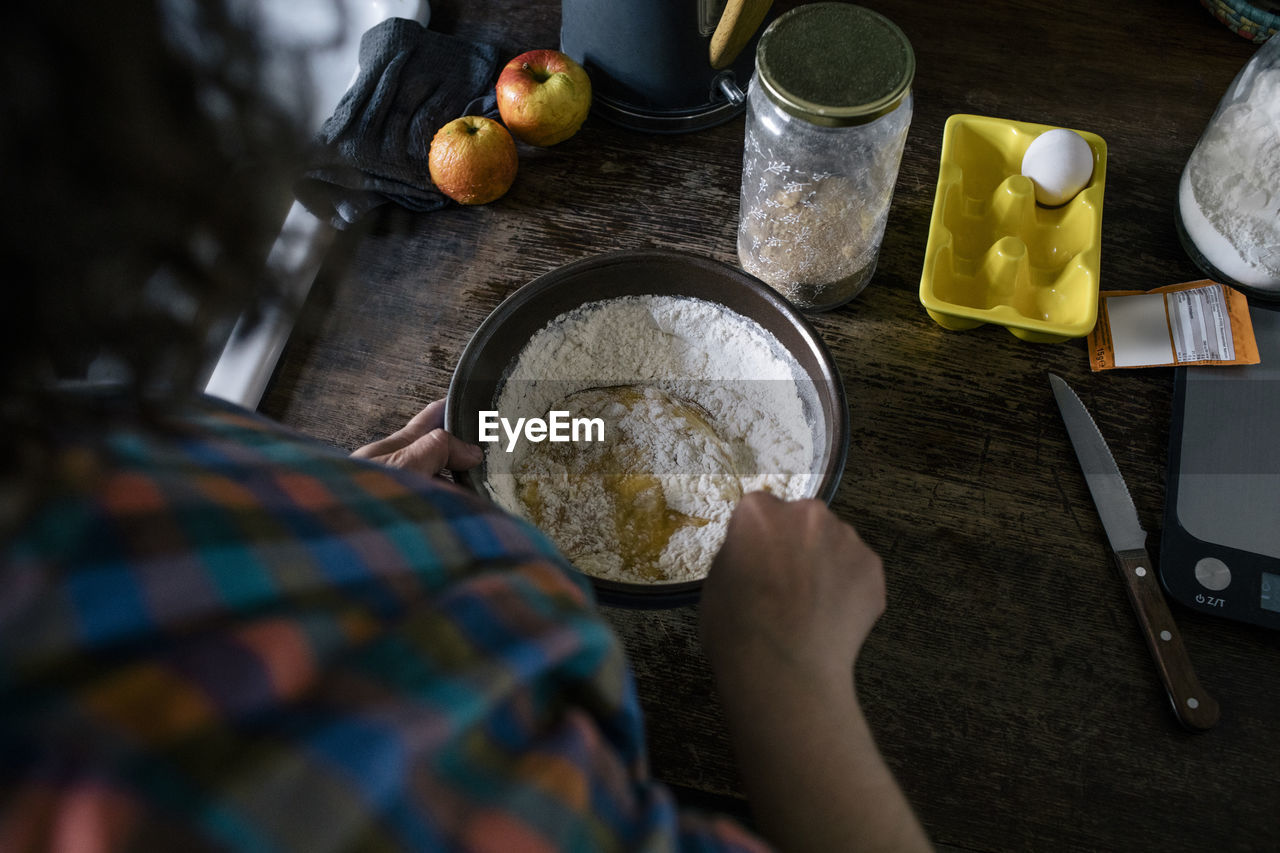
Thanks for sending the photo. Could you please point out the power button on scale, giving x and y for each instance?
(1213, 574)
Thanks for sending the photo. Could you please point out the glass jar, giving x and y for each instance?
(828, 109)
(1229, 195)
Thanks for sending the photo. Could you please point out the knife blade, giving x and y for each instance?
(1192, 705)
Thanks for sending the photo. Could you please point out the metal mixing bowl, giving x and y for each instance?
(495, 346)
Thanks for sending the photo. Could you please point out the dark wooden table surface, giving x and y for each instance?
(1007, 683)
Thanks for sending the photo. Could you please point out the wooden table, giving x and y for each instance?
(1007, 683)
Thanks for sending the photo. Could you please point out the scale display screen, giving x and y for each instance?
(1270, 592)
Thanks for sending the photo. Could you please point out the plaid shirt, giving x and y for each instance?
(222, 636)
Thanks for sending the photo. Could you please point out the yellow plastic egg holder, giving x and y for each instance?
(994, 255)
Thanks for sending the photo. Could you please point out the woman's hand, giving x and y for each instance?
(789, 600)
(422, 445)
(792, 585)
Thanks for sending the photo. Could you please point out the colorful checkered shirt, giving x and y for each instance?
(218, 635)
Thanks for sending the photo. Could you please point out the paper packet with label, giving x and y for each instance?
(1196, 322)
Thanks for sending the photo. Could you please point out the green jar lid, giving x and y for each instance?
(835, 64)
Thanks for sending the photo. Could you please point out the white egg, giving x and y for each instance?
(1059, 163)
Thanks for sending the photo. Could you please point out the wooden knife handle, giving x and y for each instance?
(1194, 707)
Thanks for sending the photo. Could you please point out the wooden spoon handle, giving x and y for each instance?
(738, 23)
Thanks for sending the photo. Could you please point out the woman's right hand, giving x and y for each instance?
(792, 582)
(789, 600)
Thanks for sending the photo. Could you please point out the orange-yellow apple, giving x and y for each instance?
(472, 160)
(543, 96)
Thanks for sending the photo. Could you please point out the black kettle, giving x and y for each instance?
(665, 66)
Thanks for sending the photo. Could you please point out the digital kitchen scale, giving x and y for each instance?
(1220, 549)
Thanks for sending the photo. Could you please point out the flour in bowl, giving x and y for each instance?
(699, 405)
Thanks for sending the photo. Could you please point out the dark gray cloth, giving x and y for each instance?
(374, 147)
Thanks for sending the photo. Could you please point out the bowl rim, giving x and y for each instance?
(679, 592)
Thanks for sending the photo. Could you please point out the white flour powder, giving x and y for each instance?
(1229, 195)
(700, 405)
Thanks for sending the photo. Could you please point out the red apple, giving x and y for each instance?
(543, 96)
(472, 160)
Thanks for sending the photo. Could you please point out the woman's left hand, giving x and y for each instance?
(422, 445)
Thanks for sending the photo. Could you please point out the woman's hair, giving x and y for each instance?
(144, 170)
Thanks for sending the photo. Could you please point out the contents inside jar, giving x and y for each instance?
(813, 238)
(1229, 193)
(815, 201)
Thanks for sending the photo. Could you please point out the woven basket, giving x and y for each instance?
(1257, 25)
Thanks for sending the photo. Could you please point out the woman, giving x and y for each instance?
(215, 634)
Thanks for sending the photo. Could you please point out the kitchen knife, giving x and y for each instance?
(1194, 708)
